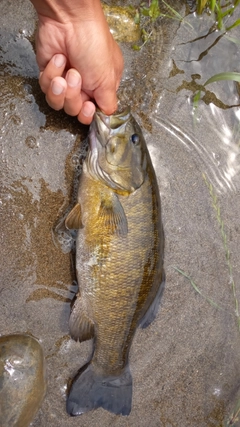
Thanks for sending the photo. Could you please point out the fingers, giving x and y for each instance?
(65, 92)
(106, 100)
(55, 68)
(76, 101)
(85, 116)
(73, 99)
(52, 83)
(55, 94)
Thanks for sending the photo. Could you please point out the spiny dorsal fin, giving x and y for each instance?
(73, 220)
(80, 325)
(112, 216)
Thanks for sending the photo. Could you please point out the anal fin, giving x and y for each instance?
(80, 324)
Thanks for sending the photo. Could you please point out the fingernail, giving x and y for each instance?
(73, 79)
(59, 60)
(57, 89)
(88, 111)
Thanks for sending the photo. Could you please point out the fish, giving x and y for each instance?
(119, 260)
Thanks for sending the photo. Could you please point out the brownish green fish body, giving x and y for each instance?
(118, 260)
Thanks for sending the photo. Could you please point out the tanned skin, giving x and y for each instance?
(80, 63)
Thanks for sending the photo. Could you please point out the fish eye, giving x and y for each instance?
(135, 139)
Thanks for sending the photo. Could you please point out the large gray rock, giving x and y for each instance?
(22, 380)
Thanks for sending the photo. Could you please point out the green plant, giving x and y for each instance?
(146, 15)
(221, 10)
(196, 288)
(234, 417)
(216, 206)
(229, 75)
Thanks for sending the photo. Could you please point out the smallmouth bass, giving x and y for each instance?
(119, 260)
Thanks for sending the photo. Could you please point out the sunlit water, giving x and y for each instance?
(186, 365)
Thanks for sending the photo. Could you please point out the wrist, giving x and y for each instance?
(64, 11)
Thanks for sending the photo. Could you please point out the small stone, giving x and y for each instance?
(121, 23)
(22, 380)
(31, 142)
(16, 120)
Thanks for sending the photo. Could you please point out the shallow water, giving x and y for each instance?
(186, 365)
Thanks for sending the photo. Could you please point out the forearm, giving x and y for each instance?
(64, 11)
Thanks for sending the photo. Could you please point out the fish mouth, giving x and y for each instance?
(104, 126)
(114, 121)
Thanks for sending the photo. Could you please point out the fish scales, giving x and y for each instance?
(119, 267)
(120, 273)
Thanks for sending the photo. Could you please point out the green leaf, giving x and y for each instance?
(209, 300)
(196, 99)
(174, 12)
(145, 11)
(137, 17)
(212, 6)
(145, 35)
(236, 23)
(223, 76)
(232, 39)
(154, 10)
(200, 5)
(136, 47)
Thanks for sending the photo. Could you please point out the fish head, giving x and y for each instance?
(118, 153)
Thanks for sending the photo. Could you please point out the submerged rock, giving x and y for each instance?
(22, 380)
(122, 24)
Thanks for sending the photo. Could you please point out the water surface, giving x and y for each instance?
(186, 365)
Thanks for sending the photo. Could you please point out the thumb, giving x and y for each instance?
(106, 100)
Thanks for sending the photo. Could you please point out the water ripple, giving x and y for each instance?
(220, 159)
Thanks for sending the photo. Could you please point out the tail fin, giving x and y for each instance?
(90, 391)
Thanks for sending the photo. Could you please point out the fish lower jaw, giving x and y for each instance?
(92, 140)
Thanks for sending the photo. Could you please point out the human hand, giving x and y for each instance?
(79, 60)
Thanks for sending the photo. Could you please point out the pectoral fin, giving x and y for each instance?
(112, 216)
(73, 220)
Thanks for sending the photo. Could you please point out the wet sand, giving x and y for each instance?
(185, 366)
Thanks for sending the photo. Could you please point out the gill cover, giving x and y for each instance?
(117, 151)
